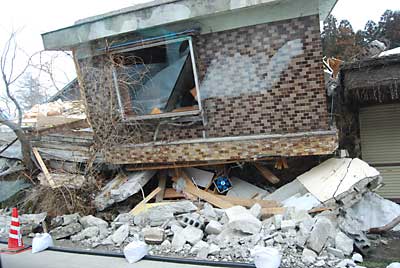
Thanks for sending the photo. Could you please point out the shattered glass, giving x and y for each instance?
(156, 78)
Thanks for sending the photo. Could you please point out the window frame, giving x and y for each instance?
(126, 117)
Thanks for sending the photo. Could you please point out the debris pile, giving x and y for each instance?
(317, 220)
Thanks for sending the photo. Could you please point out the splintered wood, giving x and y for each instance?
(266, 173)
(142, 204)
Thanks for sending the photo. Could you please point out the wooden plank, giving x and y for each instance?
(43, 167)
(171, 193)
(250, 202)
(162, 180)
(190, 188)
(266, 173)
(140, 206)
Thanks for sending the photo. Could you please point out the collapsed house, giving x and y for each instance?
(219, 113)
(196, 84)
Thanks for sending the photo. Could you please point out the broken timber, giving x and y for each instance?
(266, 173)
(190, 188)
(43, 167)
(141, 205)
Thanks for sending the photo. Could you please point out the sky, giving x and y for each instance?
(32, 18)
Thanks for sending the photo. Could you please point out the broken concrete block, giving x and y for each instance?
(193, 219)
(287, 224)
(198, 246)
(122, 187)
(277, 221)
(192, 235)
(165, 245)
(91, 220)
(119, 236)
(31, 221)
(65, 231)
(308, 256)
(335, 252)
(89, 232)
(156, 216)
(178, 241)
(153, 235)
(214, 249)
(124, 218)
(71, 218)
(242, 220)
(209, 212)
(176, 228)
(344, 243)
(336, 176)
(357, 258)
(256, 210)
(322, 230)
(213, 227)
(304, 232)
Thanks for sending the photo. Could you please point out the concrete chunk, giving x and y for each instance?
(256, 210)
(66, 231)
(156, 216)
(153, 235)
(322, 230)
(213, 227)
(239, 218)
(119, 236)
(192, 235)
(91, 220)
(308, 256)
(86, 233)
(344, 243)
(122, 187)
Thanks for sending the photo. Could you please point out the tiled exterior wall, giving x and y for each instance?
(228, 150)
(262, 79)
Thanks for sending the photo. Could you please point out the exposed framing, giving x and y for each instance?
(162, 115)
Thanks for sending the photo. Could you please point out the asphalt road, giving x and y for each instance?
(50, 259)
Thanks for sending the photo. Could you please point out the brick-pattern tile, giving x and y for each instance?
(229, 150)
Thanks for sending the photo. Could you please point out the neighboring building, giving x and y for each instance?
(70, 92)
(370, 93)
(192, 81)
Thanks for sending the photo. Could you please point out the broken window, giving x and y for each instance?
(158, 80)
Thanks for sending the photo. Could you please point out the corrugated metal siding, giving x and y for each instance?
(391, 178)
(380, 143)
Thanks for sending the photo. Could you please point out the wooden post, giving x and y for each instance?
(162, 180)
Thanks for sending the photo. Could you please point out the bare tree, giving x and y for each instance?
(10, 76)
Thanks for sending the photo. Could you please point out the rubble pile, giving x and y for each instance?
(318, 225)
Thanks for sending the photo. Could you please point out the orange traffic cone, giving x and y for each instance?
(15, 243)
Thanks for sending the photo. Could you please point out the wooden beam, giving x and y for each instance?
(171, 193)
(140, 206)
(192, 164)
(190, 188)
(162, 180)
(43, 167)
(266, 173)
(386, 228)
